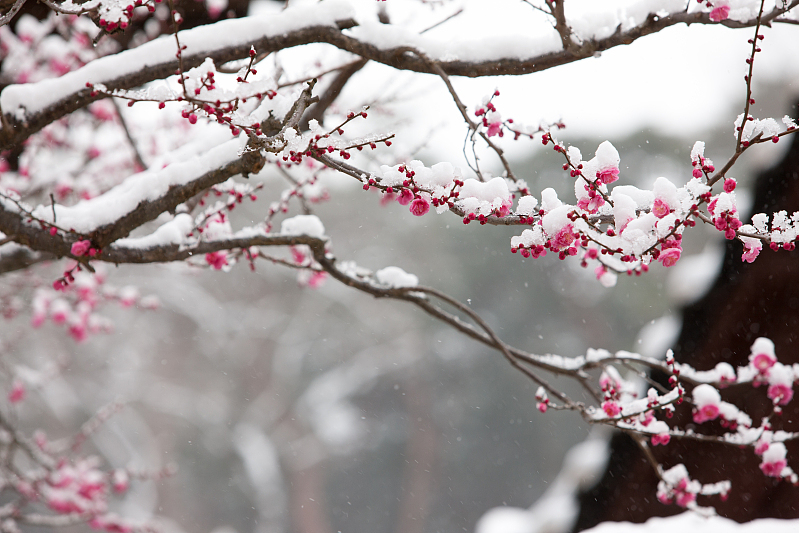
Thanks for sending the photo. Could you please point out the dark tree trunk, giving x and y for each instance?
(747, 301)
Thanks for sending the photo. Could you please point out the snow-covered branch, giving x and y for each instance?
(28, 108)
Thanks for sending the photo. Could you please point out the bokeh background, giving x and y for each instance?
(291, 409)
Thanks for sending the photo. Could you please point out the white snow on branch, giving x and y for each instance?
(386, 37)
(396, 277)
(88, 215)
(303, 225)
(175, 231)
(34, 97)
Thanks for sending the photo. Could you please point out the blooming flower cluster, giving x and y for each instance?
(70, 485)
(619, 405)
(74, 303)
(677, 487)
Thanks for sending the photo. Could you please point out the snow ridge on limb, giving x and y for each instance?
(28, 108)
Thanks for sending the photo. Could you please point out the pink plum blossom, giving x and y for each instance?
(763, 361)
(780, 393)
(706, 401)
(751, 251)
(600, 271)
(217, 259)
(564, 237)
(76, 488)
(606, 382)
(317, 279)
(685, 498)
(662, 438)
(111, 523)
(773, 468)
(298, 255)
(17, 393)
(78, 332)
(420, 206)
(494, 128)
(705, 413)
(720, 13)
(660, 208)
(774, 460)
(608, 175)
(589, 204)
(80, 248)
(669, 256)
(504, 210)
(611, 408)
(405, 197)
(60, 312)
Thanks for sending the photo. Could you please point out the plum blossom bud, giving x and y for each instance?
(763, 356)
(405, 197)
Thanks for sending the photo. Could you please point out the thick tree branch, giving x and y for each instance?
(161, 63)
(14, 223)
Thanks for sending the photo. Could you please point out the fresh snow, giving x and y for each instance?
(396, 277)
(173, 232)
(88, 215)
(303, 225)
(22, 100)
(691, 521)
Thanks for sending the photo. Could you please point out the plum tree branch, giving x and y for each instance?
(153, 61)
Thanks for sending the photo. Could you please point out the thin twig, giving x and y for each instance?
(751, 62)
(136, 153)
(461, 107)
(5, 19)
